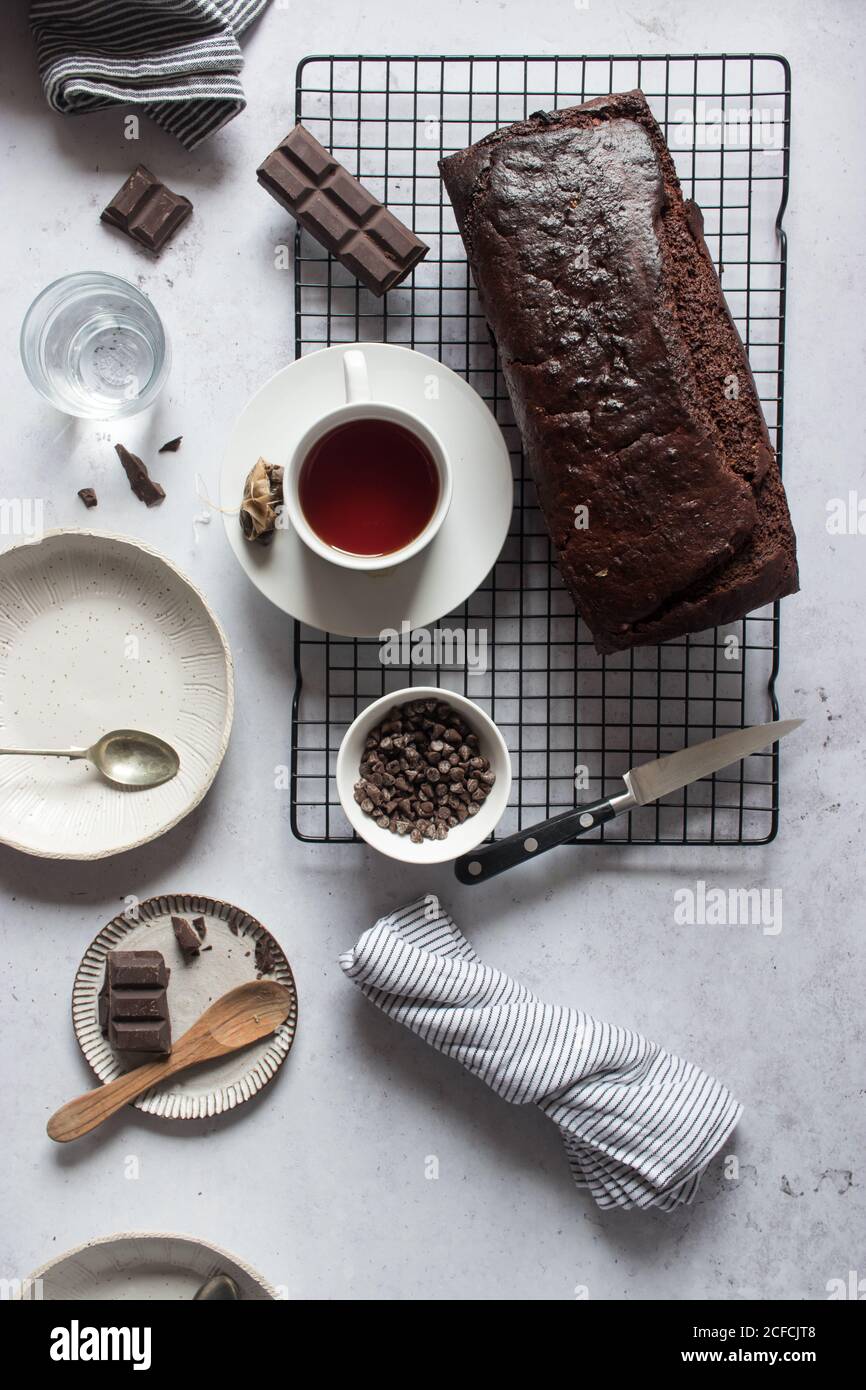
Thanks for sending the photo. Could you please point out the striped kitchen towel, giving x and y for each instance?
(639, 1124)
(179, 59)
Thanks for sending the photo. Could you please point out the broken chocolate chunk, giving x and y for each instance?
(267, 958)
(146, 210)
(88, 496)
(145, 489)
(545, 117)
(186, 937)
(262, 503)
(171, 447)
(132, 1004)
(201, 927)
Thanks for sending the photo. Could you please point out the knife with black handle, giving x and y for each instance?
(643, 785)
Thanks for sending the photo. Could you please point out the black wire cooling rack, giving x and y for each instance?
(573, 720)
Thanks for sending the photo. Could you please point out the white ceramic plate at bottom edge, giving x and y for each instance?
(151, 1266)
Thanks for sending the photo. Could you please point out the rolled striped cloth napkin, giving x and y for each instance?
(179, 59)
(639, 1125)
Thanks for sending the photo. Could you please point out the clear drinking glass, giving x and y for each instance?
(94, 346)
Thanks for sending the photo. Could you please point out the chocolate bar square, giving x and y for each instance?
(186, 937)
(140, 1036)
(146, 210)
(137, 970)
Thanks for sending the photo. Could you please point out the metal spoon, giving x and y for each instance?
(219, 1289)
(126, 757)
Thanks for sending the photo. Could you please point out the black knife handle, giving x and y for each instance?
(488, 860)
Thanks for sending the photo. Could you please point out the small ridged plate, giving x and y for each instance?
(241, 950)
(146, 1266)
(98, 632)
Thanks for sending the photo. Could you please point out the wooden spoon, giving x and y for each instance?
(240, 1017)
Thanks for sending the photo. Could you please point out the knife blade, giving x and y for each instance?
(649, 781)
(643, 784)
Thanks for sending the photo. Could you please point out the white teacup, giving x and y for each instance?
(360, 406)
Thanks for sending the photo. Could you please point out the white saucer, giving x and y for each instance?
(353, 604)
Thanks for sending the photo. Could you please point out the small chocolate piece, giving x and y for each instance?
(88, 496)
(186, 937)
(171, 447)
(201, 927)
(146, 210)
(262, 502)
(132, 1004)
(339, 212)
(267, 958)
(145, 489)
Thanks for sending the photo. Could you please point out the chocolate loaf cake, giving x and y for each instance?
(629, 382)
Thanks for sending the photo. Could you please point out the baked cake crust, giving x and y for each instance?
(619, 354)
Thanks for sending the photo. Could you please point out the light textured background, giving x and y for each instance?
(321, 1182)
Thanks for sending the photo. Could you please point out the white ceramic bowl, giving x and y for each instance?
(462, 838)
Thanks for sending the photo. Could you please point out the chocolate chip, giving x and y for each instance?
(88, 496)
(421, 772)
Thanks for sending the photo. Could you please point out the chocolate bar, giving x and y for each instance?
(339, 212)
(132, 1005)
(146, 210)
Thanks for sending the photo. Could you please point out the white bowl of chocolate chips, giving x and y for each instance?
(423, 775)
